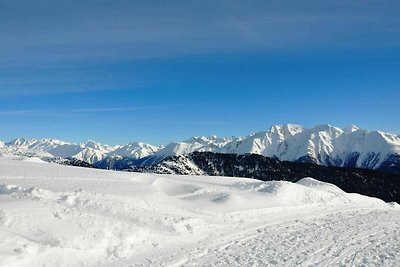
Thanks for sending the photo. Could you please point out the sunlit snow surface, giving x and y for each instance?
(52, 215)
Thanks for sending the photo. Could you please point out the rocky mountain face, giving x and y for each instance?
(368, 182)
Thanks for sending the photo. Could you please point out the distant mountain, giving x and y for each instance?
(367, 182)
(53, 147)
(90, 155)
(323, 145)
(135, 150)
(89, 152)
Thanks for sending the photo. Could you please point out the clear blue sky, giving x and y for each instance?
(161, 71)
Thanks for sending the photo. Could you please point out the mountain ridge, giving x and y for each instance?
(322, 144)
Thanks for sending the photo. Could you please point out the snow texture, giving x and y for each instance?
(53, 215)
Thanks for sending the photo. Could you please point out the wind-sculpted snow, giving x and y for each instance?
(57, 215)
(372, 183)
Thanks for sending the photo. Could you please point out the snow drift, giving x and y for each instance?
(67, 216)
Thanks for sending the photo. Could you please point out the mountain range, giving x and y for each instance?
(325, 145)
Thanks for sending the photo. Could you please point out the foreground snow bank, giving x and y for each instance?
(60, 215)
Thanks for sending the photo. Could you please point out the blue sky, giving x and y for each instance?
(161, 71)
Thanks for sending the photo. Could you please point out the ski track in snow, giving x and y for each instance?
(53, 215)
(354, 238)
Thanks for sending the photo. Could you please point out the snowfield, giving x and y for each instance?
(53, 215)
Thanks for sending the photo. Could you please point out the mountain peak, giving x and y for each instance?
(91, 144)
(286, 129)
(322, 127)
(351, 128)
(17, 141)
(206, 139)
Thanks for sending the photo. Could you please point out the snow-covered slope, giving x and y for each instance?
(135, 150)
(90, 155)
(57, 215)
(53, 147)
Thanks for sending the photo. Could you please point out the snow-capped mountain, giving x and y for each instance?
(97, 146)
(323, 144)
(90, 155)
(90, 152)
(52, 147)
(201, 144)
(135, 150)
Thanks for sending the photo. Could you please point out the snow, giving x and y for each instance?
(324, 144)
(351, 128)
(90, 152)
(135, 150)
(57, 215)
(182, 165)
(90, 155)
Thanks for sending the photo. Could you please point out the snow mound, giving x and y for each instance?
(66, 216)
(251, 194)
(315, 184)
(175, 188)
(290, 194)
